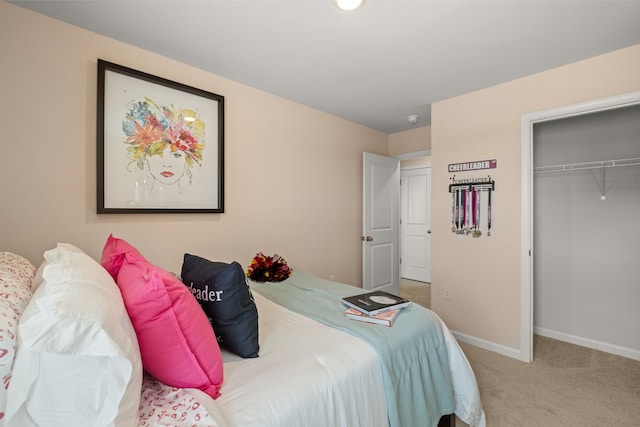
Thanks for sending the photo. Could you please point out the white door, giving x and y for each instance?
(415, 224)
(381, 223)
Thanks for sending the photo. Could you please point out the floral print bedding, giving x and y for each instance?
(16, 274)
(163, 405)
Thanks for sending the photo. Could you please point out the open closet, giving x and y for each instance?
(586, 239)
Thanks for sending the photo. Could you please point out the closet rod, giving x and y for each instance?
(587, 165)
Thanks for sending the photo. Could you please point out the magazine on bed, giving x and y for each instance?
(387, 318)
(376, 302)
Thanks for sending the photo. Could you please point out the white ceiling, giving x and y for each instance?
(375, 66)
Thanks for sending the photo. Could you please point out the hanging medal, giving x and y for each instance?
(463, 229)
(453, 211)
(459, 214)
(472, 229)
(476, 231)
(489, 213)
(467, 211)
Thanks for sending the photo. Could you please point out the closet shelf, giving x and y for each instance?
(587, 165)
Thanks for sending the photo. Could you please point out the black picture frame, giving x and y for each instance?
(160, 144)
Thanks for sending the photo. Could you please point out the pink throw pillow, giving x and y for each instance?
(113, 254)
(177, 343)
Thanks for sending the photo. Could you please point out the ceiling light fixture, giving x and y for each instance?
(348, 4)
(412, 119)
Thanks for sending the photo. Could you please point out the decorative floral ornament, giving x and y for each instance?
(265, 268)
(150, 129)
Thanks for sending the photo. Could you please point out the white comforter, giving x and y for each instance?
(309, 374)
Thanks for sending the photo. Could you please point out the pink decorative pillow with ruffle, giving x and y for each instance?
(177, 343)
(113, 255)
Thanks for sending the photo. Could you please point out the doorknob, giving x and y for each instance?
(428, 231)
(368, 238)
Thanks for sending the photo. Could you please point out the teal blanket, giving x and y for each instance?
(413, 354)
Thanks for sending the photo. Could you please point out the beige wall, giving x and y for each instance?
(416, 162)
(293, 174)
(484, 273)
(410, 141)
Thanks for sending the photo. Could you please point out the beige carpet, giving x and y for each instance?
(418, 292)
(565, 385)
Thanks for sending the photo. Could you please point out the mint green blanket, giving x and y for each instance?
(413, 354)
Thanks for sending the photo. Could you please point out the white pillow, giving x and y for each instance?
(78, 361)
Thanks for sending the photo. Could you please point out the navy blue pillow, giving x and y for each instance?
(224, 295)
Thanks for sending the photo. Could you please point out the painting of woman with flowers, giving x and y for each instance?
(162, 147)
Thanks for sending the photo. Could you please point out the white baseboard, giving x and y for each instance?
(491, 346)
(514, 353)
(631, 353)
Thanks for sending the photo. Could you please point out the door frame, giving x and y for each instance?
(399, 157)
(409, 156)
(412, 155)
(410, 168)
(526, 202)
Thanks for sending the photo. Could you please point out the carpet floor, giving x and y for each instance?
(565, 385)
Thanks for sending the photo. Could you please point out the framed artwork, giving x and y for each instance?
(160, 144)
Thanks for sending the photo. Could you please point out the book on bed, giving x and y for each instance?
(375, 302)
(387, 318)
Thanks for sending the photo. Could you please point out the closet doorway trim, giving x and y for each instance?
(526, 203)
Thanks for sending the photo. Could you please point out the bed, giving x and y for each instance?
(74, 351)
